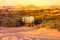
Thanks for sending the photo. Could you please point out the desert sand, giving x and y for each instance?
(29, 33)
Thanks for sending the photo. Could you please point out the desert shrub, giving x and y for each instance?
(43, 17)
(2, 15)
(0, 23)
(53, 24)
(58, 29)
(19, 23)
(37, 21)
(51, 18)
(58, 25)
(22, 12)
(9, 24)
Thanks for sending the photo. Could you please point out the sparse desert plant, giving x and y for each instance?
(37, 21)
(19, 23)
(49, 18)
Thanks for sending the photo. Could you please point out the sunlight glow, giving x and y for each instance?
(27, 2)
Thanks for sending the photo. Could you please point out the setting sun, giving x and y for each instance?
(27, 2)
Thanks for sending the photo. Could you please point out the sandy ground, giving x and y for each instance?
(28, 33)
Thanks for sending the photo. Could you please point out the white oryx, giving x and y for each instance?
(28, 20)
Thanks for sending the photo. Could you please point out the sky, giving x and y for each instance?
(27, 2)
